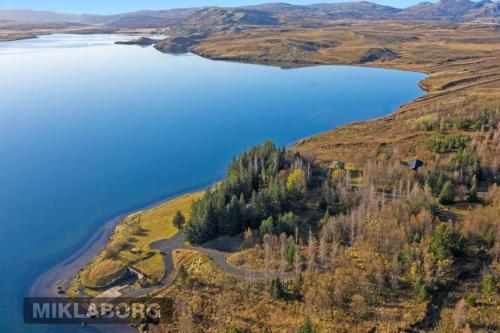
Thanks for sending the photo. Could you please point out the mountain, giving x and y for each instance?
(219, 19)
(208, 19)
(456, 10)
(141, 19)
(488, 10)
(347, 10)
(453, 10)
(28, 15)
(138, 19)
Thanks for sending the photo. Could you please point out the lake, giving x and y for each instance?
(90, 130)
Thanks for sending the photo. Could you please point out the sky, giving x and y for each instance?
(117, 6)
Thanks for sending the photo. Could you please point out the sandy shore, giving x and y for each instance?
(45, 284)
(62, 274)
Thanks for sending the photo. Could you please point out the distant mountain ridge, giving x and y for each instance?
(204, 18)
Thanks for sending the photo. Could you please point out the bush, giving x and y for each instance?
(445, 244)
(307, 326)
(420, 288)
(276, 289)
(234, 330)
(182, 275)
(442, 144)
(489, 284)
(471, 299)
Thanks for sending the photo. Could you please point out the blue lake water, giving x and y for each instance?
(90, 130)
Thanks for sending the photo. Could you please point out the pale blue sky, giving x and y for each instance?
(116, 6)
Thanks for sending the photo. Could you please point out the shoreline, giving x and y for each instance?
(63, 272)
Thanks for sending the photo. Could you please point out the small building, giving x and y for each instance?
(337, 165)
(136, 251)
(415, 164)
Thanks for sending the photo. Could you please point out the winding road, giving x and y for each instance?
(167, 246)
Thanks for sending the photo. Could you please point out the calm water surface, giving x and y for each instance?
(90, 130)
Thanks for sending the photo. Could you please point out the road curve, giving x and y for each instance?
(167, 246)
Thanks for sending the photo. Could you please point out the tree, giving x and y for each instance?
(489, 284)
(448, 193)
(472, 194)
(445, 243)
(290, 251)
(233, 222)
(182, 276)
(296, 181)
(307, 327)
(298, 288)
(267, 226)
(178, 220)
(421, 288)
(276, 289)
(286, 223)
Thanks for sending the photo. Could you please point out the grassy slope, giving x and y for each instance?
(155, 224)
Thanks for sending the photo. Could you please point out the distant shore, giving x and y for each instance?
(12, 38)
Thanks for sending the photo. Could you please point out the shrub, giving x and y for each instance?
(235, 330)
(307, 327)
(420, 288)
(442, 144)
(182, 275)
(276, 290)
(444, 243)
(489, 284)
(471, 299)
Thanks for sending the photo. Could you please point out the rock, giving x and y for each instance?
(378, 54)
(143, 41)
(179, 44)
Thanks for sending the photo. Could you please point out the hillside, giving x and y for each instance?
(208, 19)
(220, 19)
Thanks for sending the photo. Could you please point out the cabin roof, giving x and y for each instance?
(415, 164)
(337, 165)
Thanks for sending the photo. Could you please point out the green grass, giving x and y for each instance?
(155, 224)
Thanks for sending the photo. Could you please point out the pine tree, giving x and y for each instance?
(447, 195)
(233, 221)
(178, 220)
(290, 251)
(307, 327)
(267, 226)
(276, 289)
(472, 194)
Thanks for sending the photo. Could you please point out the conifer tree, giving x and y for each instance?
(447, 195)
